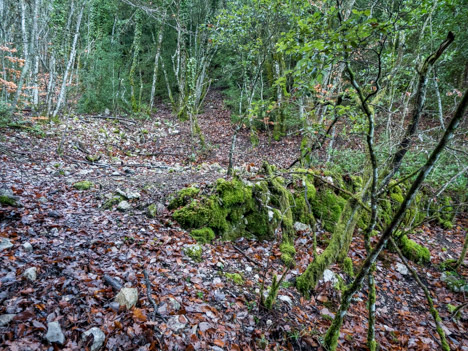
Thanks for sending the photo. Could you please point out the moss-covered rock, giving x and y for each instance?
(287, 253)
(236, 278)
(183, 197)
(413, 251)
(83, 185)
(112, 201)
(194, 252)
(446, 213)
(203, 235)
(205, 212)
(327, 206)
(8, 199)
(152, 211)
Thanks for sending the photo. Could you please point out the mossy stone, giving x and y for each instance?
(287, 253)
(236, 278)
(413, 251)
(183, 197)
(327, 206)
(203, 235)
(8, 200)
(152, 211)
(83, 185)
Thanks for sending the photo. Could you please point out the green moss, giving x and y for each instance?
(300, 210)
(258, 224)
(236, 278)
(413, 251)
(203, 236)
(327, 206)
(110, 203)
(446, 213)
(336, 250)
(203, 213)
(397, 197)
(194, 252)
(8, 200)
(83, 185)
(348, 266)
(183, 197)
(233, 192)
(287, 253)
(151, 211)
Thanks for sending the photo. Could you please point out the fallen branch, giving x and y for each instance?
(112, 282)
(149, 291)
(110, 117)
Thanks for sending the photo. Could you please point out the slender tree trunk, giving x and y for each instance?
(156, 60)
(439, 100)
(63, 89)
(332, 335)
(25, 69)
(51, 85)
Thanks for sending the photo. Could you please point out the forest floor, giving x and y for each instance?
(75, 243)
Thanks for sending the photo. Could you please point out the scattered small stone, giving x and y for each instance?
(219, 296)
(5, 319)
(27, 247)
(114, 306)
(5, 244)
(30, 274)
(286, 299)
(43, 200)
(176, 323)
(400, 267)
(127, 297)
(124, 206)
(301, 227)
(54, 232)
(54, 214)
(174, 303)
(54, 333)
(269, 322)
(329, 276)
(98, 338)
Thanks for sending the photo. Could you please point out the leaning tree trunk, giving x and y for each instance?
(333, 333)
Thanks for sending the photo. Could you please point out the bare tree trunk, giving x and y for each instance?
(25, 69)
(156, 60)
(63, 89)
(439, 99)
(35, 51)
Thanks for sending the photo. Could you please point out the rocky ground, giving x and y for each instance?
(75, 275)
